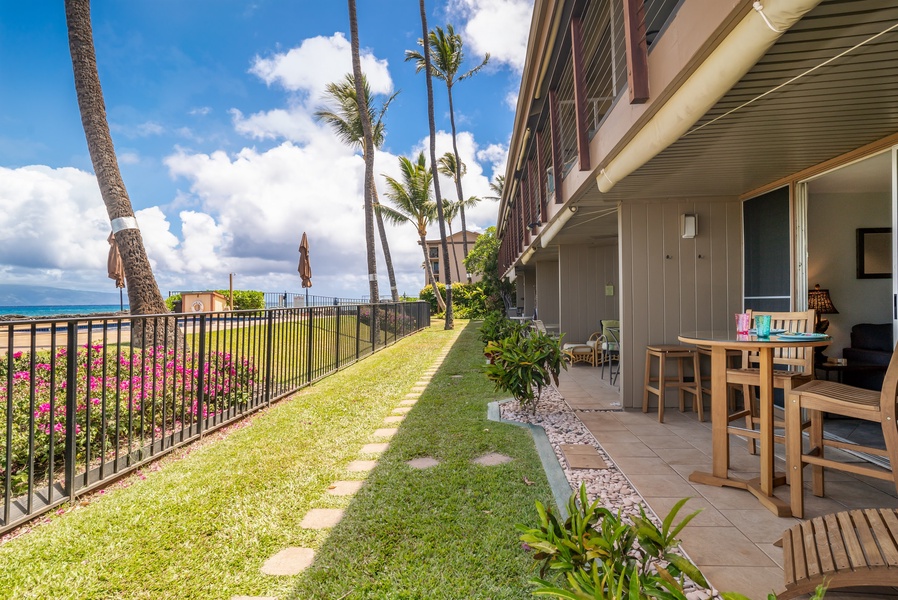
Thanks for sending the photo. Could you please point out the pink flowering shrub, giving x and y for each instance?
(125, 400)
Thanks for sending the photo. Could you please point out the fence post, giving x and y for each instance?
(337, 308)
(71, 405)
(201, 376)
(358, 330)
(269, 335)
(309, 347)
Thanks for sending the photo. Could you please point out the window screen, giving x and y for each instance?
(765, 222)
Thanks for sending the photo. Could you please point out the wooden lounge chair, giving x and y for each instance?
(845, 549)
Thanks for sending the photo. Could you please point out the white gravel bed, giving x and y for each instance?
(609, 485)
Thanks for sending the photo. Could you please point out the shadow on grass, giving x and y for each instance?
(447, 531)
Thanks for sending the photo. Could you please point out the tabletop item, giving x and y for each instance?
(762, 322)
(743, 321)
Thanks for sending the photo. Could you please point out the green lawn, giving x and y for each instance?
(202, 525)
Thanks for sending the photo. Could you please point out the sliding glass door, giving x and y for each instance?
(766, 223)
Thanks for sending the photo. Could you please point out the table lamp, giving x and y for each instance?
(820, 301)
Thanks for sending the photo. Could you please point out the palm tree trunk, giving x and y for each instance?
(450, 323)
(369, 159)
(144, 297)
(433, 282)
(388, 258)
(454, 253)
(461, 196)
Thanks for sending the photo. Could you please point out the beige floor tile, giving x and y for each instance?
(671, 485)
(753, 582)
(774, 552)
(685, 470)
(635, 465)
(601, 422)
(758, 524)
(724, 498)
(582, 456)
(666, 441)
(722, 546)
(708, 517)
(683, 456)
(616, 437)
(627, 449)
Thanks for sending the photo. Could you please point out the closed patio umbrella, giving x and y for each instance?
(115, 268)
(305, 267)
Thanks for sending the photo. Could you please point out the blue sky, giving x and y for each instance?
(210, 103)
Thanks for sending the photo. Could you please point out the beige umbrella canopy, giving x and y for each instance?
(305, 267)
(115, 268)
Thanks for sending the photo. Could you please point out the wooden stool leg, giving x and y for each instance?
(662, 385)
(681, 379)
(793, 458)
(648, 380)
(748, 401)
(817, 445)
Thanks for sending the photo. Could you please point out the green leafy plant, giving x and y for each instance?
(521, 362)
(599, 556)
(497, 326)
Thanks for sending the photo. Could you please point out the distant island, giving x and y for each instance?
(37, 295)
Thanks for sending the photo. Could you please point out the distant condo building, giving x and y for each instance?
(456, 258)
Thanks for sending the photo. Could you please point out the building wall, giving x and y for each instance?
(456, 256)
(526, 288)
(671, 285)
(547, 291)
(832, 223)
(585, 273)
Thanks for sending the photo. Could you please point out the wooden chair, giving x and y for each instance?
(657, 384)
(845, 549)
(818, 397)
(796, 366)
(582, 352)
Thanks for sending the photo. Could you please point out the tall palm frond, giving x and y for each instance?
(497, 186)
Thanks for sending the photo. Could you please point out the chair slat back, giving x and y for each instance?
(794, 359)
(888, 397)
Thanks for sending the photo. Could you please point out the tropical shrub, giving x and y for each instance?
(483, 260)
(523, 361)
(469, 300)
(125, 398)
(497, 326)
(597, 555)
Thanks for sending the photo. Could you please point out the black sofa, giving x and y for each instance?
(871, 344)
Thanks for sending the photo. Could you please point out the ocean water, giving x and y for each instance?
(52, 311)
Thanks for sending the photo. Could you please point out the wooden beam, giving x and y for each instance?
(541, 176)
(637, 51)
(555, 133)
(579, 94)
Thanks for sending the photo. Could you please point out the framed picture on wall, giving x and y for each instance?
(874, 253)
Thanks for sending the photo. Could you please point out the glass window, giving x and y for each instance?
(434, 253)
(767, 264)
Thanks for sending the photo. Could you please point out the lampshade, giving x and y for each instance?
(820, 301)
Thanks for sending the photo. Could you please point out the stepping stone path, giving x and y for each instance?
(321, 518)
(288, 561)
(492, 459)
(424, 462)
(293, 560)
(582, 456)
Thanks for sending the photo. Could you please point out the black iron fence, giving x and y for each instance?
(85, 401)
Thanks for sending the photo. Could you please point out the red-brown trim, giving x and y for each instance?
(637, 51)
(579, 94)
(541, 177)
(555, 131)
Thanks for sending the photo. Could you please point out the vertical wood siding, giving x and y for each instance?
(670, 284)
(585, 271)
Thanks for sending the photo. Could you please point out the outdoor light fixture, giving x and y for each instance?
(688, 226)
(552, 230)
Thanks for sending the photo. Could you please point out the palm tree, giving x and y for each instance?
(497, 186)
(456, 170)
(367, 153)
(347, 125)
(412, 204)
(143, 293)
(450, 324)
(447, 49)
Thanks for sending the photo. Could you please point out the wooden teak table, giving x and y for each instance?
(720, 341)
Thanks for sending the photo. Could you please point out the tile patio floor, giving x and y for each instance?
(732, 539)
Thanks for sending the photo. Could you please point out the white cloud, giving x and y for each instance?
(497, 156)
(511, 100)
(311, 66)
(499, 27)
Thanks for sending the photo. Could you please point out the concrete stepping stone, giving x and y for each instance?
(409, 402)
(425, 462)
(413, 395)
(358, 466)
(288, 561)
(375, 448)
(401, 410)
(492, 459)
(423, 384)
(582, 456)
(394, 419)
(385, 432)
(344, 488)
(321, 518)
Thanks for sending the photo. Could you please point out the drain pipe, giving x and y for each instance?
(726, 65)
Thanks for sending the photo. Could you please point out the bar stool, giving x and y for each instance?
(665, 352)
